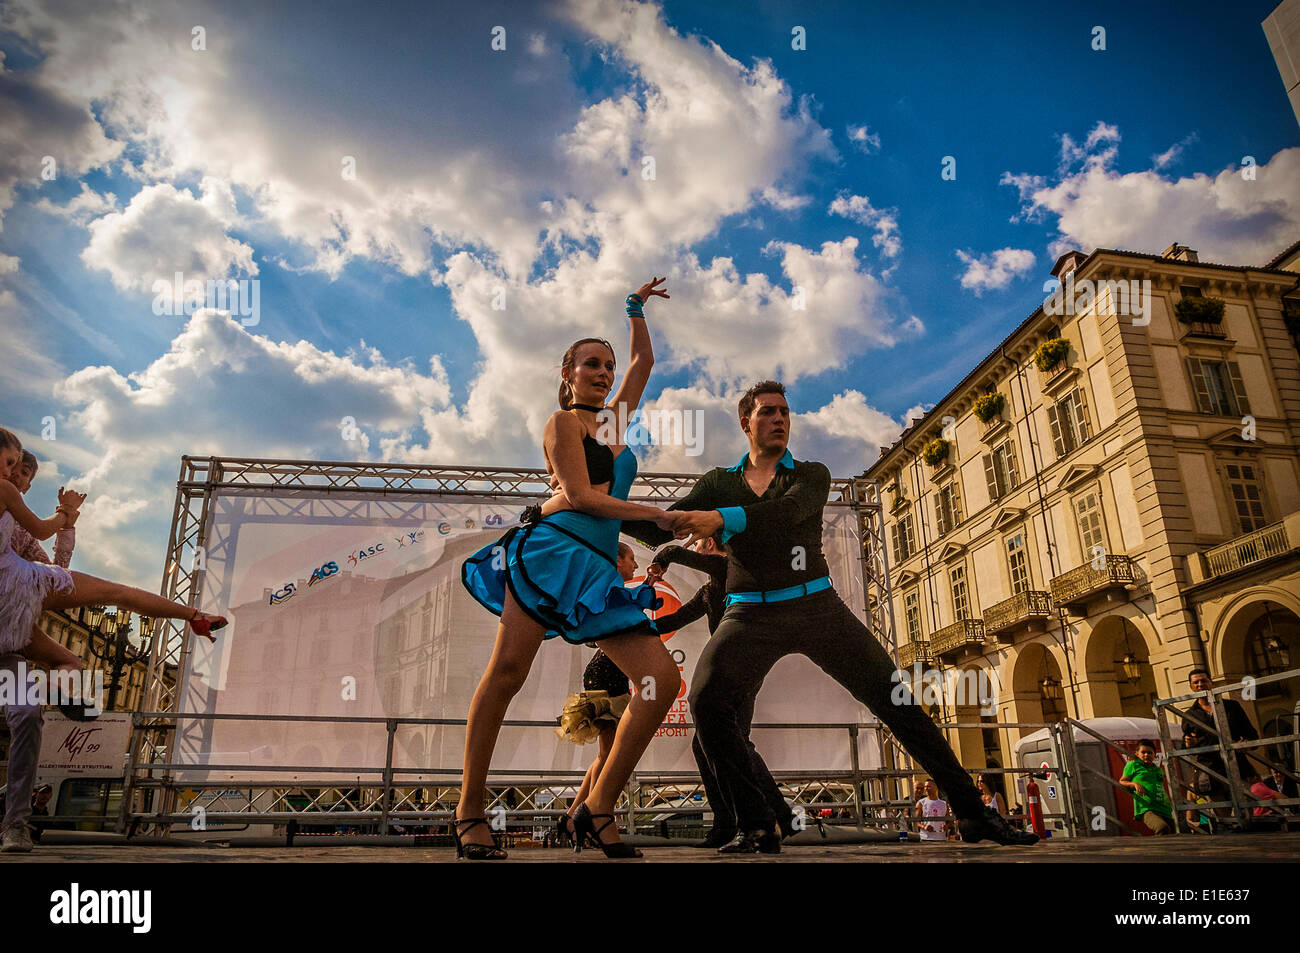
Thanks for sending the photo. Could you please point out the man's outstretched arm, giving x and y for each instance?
(698, 499)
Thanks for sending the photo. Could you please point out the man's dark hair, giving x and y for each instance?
(1147, 743)
(750, 397)
(1199, 671)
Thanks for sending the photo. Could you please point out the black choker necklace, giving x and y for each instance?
(594, 410)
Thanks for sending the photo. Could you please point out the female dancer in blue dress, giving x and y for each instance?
(556, 577)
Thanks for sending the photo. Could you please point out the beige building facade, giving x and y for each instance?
(1110, 499)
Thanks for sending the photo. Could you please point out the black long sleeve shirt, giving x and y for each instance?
(781, 544)
(708, 600)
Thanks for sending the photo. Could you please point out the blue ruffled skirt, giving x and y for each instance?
(561, 571)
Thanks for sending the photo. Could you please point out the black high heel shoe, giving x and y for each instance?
(475, 851)
(562, 831)
(584, 825)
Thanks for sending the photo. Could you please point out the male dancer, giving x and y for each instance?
(710, 600)
(768, 509)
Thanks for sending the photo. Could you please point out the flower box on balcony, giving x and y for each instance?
(1051, 354)
(988, 406)
(936, 452)
(1199, 310)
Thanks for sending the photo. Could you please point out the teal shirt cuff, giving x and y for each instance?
(733, 521)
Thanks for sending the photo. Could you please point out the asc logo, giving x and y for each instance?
(323, 573)
(360, 554)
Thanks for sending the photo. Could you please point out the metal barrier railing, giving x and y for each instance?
(373, 795)
(1063, 756)
(1203, 762)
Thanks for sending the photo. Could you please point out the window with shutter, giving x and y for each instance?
(1058, 435)
(1247, 499)
(990, 474)
(1092, 528)
(940, 520)
(1199, 386)
(1016, 563)
(912, 605)
(1238, 389)
(897, 544)
(1084, 427)
(960, 604)
(1013, 471)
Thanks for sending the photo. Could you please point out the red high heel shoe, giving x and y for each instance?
(205, 627)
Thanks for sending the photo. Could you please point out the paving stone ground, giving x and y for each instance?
(1185, 849)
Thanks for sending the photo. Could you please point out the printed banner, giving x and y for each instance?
(352, 606)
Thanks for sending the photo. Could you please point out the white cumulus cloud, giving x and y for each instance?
(994, 270)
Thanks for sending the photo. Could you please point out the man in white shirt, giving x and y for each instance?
(932, 806)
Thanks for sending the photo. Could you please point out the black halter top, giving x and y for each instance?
(600, 459)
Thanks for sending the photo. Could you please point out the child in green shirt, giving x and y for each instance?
(1146, 781)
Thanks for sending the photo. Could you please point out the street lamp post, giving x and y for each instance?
(118, 651)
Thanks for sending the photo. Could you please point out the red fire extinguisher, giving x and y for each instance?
(1035, 808)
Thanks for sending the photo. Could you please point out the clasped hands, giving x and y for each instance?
(695, 524)
(691, 525)
(70, 504)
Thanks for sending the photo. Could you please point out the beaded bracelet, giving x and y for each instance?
(634, 304)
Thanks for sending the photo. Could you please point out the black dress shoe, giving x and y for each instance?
(993, 826)
(718, 836)
(758, 841)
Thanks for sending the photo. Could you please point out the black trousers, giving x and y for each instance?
(724, 811)
(753, 637)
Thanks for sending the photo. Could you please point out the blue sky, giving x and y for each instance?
(521, 169)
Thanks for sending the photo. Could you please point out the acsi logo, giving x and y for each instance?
(284, 595)
(323, 573)
(494, 519)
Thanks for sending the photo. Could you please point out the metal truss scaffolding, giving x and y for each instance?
(151, 797)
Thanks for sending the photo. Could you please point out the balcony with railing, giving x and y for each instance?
(909, 653)
(1205, 329)
(1254, 547)
(952, 639)
(1080, 585)
(1025, 610)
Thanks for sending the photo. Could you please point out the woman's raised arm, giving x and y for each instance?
(12, 500)
(643, 358)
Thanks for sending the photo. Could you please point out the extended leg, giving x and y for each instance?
(839, 644)
(93, 591)
(518, 638)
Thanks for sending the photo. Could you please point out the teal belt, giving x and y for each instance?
(780, 595)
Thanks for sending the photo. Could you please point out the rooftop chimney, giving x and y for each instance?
(1179, 253)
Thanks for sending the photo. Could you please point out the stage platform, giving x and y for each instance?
(1185, 849)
